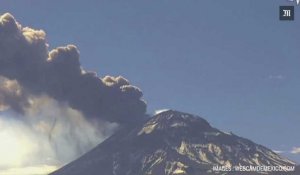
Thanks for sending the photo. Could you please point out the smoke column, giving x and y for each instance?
(51, 106)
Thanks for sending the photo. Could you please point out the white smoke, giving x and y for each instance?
(49, 134)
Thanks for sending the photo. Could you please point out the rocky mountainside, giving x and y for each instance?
(172, 143)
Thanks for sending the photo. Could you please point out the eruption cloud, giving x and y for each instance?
(51, 106)
(24, 57)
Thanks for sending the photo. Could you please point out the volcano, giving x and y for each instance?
(172, 143)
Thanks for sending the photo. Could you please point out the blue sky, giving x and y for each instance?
(232, 62)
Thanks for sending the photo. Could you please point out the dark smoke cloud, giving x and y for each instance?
(24, 57)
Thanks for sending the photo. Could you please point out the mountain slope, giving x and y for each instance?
(171, 143)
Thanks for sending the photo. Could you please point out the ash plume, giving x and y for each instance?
(51, 106)
(24, 58)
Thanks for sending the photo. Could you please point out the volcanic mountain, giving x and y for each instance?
(171, 143)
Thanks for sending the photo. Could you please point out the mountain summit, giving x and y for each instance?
(171, 143)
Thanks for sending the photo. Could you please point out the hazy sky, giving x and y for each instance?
(232, 62)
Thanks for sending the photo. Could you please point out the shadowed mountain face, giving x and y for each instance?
(171, 143)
